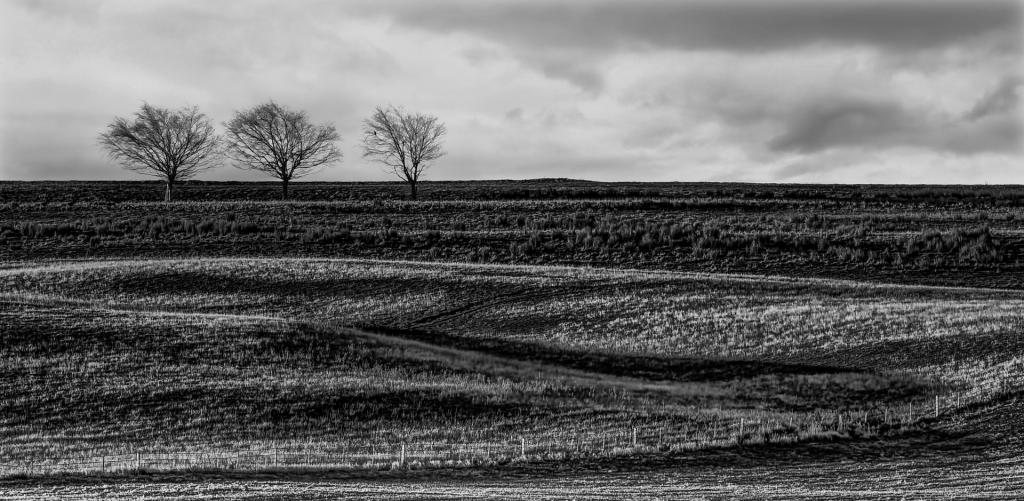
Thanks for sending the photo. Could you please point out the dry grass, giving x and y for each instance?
(222, 355)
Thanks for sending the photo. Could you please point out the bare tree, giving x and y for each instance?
(281, 142)
(405, 142)
(171, 144)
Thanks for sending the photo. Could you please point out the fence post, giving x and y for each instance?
(522, 446)
(402, 459)
(138, 460)
(936, 406)
(634, 437)
(103, 463)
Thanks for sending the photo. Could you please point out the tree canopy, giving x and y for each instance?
(173, 145)
(405, 142)
(273, 139)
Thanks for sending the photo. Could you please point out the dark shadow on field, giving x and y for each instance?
(461, 286)
(1007, 277)
(624, 365)
(910, 353)
(282, 283)
(189, 282)
(236, 412)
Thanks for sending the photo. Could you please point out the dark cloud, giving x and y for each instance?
(1004, 99)
(821, 165)
(727, 25)
(992, 126)
(81, 10)
(566, 40)
(581, 75)
(853, 122)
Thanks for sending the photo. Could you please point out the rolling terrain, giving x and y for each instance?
(548, 338)
(610, 378)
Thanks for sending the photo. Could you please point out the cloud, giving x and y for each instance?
(1002, 100)
(732, 25)
(568, 40)
(649, 89)
(854, 122)
(79, 11)
(1002, 134)
(574, 70)
(822, 166)
(993, 125)
(901, 165)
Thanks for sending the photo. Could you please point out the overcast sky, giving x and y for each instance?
(858, 91)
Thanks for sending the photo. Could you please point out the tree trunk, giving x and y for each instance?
(169, 192)
(412, 190)
(284, 189)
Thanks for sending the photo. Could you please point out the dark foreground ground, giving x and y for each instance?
(941, 462)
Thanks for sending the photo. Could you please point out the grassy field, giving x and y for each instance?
(923, 475)
(555, 339)
(926, 235)
(314, 355)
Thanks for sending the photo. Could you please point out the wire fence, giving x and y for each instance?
(375, 456)
(380, 456)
